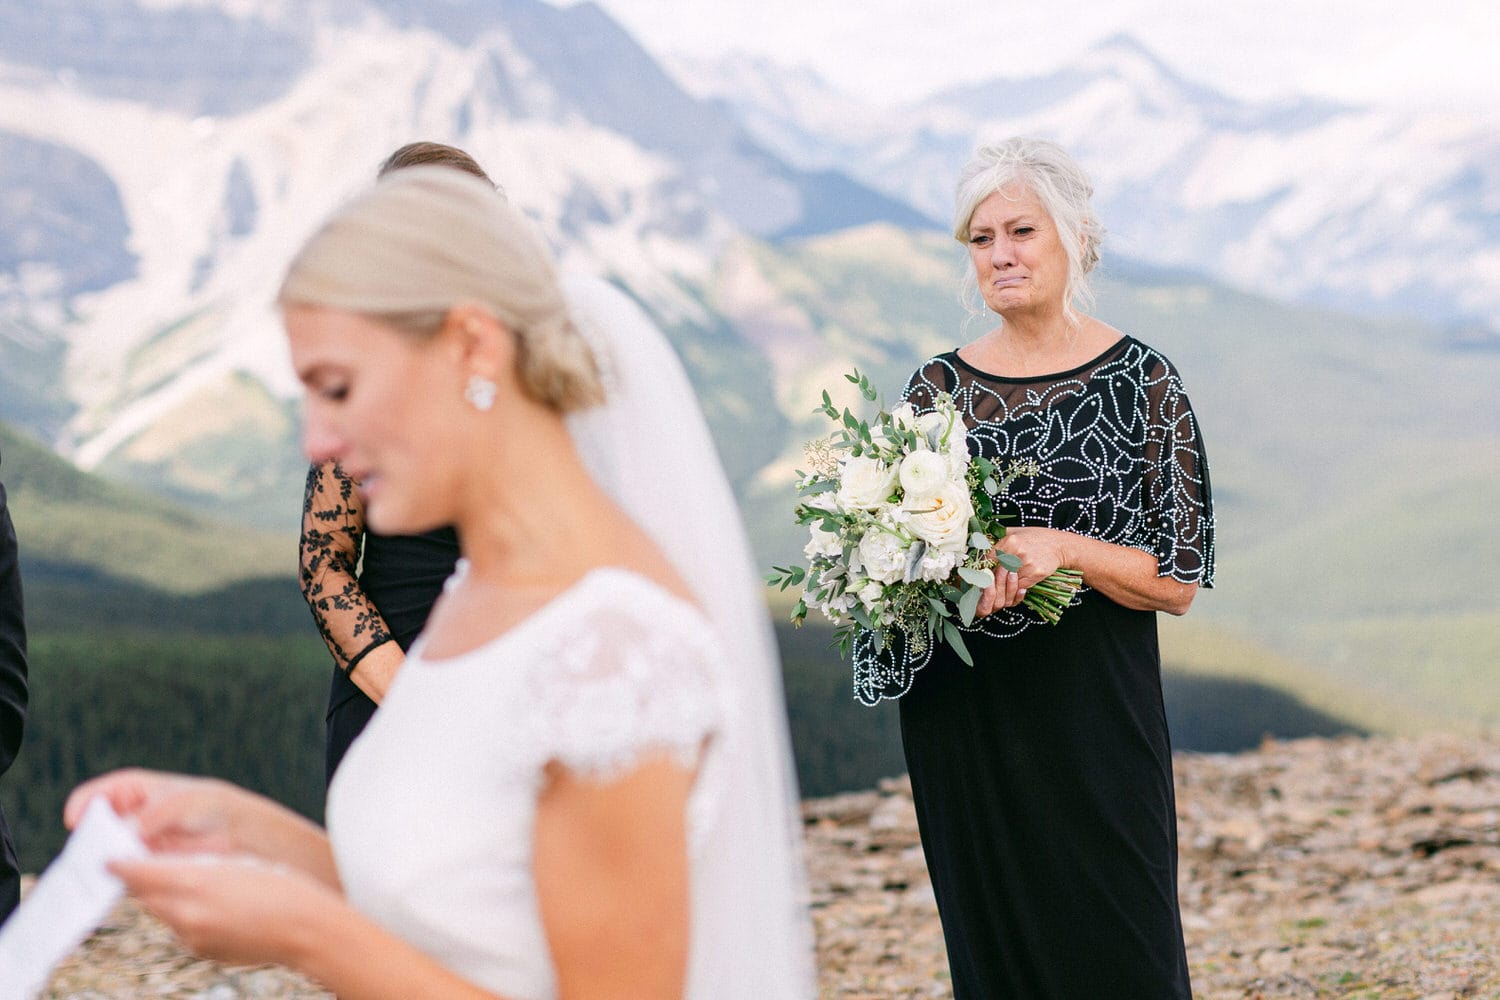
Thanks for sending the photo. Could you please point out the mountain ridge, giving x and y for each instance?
(1299, 198)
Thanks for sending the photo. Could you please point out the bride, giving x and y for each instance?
(579, 785)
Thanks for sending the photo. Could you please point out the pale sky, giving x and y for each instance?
(1428, 54)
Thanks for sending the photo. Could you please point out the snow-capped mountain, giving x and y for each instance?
(1356, 207)
(160, 161)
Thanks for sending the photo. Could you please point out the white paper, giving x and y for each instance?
(68, 902)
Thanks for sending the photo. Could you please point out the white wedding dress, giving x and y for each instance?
(431, 813)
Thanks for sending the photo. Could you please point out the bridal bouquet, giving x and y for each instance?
(903, 525)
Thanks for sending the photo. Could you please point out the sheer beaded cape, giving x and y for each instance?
(1110, 449)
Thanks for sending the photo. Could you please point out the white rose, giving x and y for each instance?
(942, 520)
(938, 564)
(923, 473)
(822, 543)
(882, 556)
(865, 483)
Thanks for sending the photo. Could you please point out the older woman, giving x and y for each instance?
(578, 783)
(1043, 774)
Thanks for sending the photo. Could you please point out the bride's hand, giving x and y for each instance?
(173, 813)
(231, 908)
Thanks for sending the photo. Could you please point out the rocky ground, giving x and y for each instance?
(1355, 868)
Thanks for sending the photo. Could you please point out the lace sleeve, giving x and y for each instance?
(617, 690)
(1179, 522)
(333, 528)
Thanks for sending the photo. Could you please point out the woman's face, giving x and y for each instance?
(1017, 253)
(377, 402)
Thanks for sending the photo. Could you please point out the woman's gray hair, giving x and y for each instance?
(1046, 170)
(428, 238)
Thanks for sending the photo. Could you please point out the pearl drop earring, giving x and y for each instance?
(480, 392)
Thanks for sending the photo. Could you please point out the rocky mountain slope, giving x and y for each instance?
(160, 162)
(1355, 868)
(1356, 207)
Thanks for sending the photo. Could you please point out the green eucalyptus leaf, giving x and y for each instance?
(974, 576)
(968, 605)
(954, 639)
(1009, 561)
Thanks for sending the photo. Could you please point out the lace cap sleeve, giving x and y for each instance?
(1179, 503)
(621, 687)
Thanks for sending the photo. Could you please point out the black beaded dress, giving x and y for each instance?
(364, 589)
(1042, 775)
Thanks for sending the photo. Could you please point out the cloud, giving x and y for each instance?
(892, 50)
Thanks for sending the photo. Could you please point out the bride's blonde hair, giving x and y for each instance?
(426, 239)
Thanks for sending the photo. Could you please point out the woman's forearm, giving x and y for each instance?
(1127, 576)
(358, 960)
(304, 845)
(373, 672)
(271, 831)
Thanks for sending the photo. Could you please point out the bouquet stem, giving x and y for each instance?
(1051, 597)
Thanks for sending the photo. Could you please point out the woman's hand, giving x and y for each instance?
(173, 813)
(183, 814)
(1128, 576)
(231, 908)
(1042, 551)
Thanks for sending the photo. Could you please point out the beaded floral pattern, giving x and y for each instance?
(1110, 450)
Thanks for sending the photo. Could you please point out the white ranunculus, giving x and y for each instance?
(939, 564)
(822, 543)
(865, 483)
(942, 520)
(923, 473)
(882, 556)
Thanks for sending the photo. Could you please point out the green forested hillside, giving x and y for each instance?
(75, 526)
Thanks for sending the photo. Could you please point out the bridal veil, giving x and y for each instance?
(650, 449)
